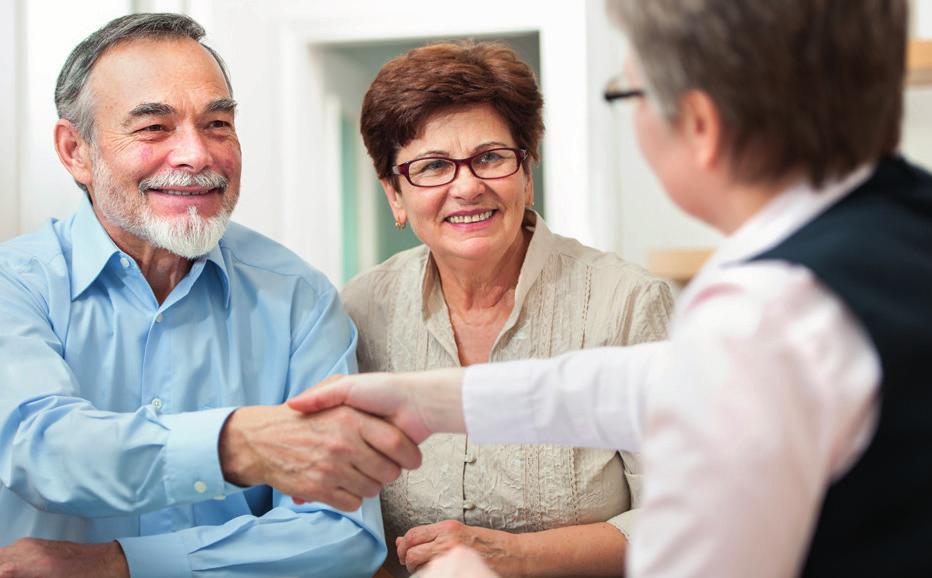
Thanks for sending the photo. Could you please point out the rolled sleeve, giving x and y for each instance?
(192, 461)
(626, 522)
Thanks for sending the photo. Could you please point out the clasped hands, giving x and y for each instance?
(417, 405)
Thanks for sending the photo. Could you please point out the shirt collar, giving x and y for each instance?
(215, 256)
(92, 248)
(781, 217)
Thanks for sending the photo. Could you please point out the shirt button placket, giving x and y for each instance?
(153, 385)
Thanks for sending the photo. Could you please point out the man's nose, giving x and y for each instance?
(190, 150)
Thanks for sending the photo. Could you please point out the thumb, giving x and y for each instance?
(329, 393)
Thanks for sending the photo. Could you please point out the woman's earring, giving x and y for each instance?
(399, 225)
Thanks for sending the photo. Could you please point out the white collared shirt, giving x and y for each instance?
(764, 394)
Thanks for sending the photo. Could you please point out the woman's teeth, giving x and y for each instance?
(457, 219)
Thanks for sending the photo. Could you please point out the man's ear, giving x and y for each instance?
(701, 124)
(74, 152)
(394, 201)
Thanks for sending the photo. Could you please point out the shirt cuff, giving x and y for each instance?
(158, 556)
(497, 402)
(192, 459)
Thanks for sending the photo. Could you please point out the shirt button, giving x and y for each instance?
(124, 261)
(158, 318)
(200, 487)
(468, 505)
(470, 458)
(157, 403)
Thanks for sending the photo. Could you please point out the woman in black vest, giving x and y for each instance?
(785, 426)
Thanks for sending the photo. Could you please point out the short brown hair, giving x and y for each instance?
(815, 85)
(413, 87)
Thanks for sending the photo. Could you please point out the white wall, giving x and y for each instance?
(45, 188)
(9, 133)
(922, 18)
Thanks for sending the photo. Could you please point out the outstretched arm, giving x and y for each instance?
(592, 398)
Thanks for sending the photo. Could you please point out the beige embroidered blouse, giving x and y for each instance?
(568, 297)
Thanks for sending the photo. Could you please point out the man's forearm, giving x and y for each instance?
(318, 543)
(118, 463)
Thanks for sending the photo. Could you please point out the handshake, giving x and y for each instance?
(341, 441)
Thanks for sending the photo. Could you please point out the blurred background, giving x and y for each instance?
(299, 70)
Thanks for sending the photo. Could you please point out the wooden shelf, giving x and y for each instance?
(919, 63)
(678, 265)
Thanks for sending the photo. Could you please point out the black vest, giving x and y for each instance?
(873, 250)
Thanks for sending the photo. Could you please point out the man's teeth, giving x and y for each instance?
(182, 193)
(457, 219)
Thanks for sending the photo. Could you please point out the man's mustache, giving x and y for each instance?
(207, 179)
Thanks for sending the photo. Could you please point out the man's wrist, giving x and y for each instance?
(233, 451)
(115, 560)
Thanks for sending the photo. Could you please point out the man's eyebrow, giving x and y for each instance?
(149, 109)
(221, 105)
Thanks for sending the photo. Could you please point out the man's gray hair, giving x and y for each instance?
(73, 100)
(815, 85)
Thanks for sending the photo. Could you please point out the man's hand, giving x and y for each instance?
(418, 404)
(34, 558)
(338, 456)
(422, 544)
(461, 562)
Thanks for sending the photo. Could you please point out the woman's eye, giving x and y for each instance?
(490, 157)
(431, 166)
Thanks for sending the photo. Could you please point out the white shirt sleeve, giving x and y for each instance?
(590, 398)
(765, 393)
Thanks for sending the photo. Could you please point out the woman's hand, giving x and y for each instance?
(419, 403)
(421, 544)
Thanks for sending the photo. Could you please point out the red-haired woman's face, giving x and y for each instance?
(468, 219)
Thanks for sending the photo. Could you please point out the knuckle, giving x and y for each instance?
(338, 448)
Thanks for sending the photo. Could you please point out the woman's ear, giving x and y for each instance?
(395, 202)
(701, 123)
(74, 152)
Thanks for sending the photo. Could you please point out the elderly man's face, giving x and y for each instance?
(166, 158)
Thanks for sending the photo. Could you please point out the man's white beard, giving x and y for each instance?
(189, 236)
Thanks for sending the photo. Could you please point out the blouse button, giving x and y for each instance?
(469, 505)
(470, 458)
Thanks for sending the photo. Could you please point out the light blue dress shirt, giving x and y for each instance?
(111, 405)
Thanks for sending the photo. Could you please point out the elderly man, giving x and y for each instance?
(148, 346)
(785, 426)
